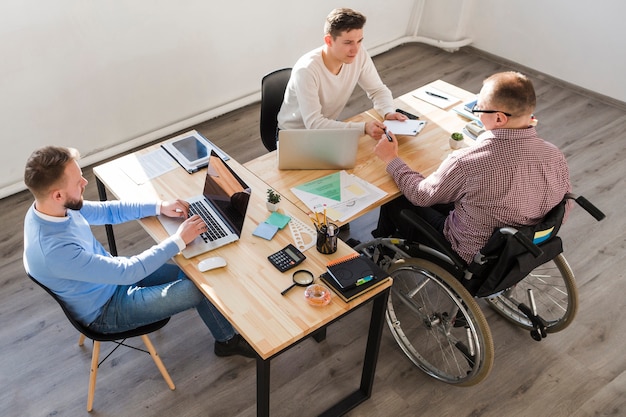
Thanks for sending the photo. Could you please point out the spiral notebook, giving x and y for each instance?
(353, 275)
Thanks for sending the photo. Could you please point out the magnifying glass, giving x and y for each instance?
(301, 278)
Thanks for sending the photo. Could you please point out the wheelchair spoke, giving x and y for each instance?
(421, 314)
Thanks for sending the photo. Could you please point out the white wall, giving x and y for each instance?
(111, 75)
(581, 43)
(104, 76)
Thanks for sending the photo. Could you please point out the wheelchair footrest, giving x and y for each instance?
(539, 325)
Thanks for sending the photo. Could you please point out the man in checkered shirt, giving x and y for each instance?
(510, 177)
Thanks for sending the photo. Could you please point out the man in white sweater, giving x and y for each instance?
(323, 80)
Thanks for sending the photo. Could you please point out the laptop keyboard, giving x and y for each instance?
(214, 230)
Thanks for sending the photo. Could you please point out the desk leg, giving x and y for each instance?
(262, 387)
(369, 362)
(373, 342)
(102, 193)
(320, 335)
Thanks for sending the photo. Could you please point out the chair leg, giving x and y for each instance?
(93, 372)
(81, 340)
(158, 361)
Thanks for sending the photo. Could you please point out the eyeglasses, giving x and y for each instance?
(476, 110)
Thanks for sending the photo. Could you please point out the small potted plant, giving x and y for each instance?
(273, 198)
(456, 140)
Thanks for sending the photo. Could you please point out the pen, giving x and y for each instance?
(360, 281)
(363, 280)
(388, 137)
(436, 95)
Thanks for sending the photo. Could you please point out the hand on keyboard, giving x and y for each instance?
(191, 228)
(175, 208)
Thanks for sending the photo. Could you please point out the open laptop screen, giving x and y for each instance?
(228, 193)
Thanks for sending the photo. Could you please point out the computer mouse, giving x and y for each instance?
(211, 263)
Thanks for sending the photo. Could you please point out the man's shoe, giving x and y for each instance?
(237, 345)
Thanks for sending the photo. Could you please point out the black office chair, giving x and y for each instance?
(117, 338)
(273, 87)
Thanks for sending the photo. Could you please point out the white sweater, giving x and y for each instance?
(315, 97)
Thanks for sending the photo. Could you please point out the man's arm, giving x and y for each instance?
(98, 213)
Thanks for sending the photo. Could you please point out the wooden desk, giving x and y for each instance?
(423, 152)
(247, 291)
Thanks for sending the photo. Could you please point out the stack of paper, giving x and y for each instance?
(465, 110)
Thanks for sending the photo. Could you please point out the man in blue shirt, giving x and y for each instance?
(107, 293)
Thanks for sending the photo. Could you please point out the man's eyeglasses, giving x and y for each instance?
(475, 110)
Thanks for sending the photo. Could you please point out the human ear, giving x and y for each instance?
(56, 195)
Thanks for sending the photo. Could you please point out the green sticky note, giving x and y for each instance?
(278, 219)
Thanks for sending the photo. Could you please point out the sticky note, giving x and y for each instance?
(278, 219)
(265, 230)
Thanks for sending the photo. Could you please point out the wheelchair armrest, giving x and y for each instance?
(586, 204)
(432, 236)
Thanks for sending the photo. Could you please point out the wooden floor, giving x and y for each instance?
(579, 372)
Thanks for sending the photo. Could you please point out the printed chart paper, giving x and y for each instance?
(342, 195)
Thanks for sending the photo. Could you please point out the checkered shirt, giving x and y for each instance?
(510, 177)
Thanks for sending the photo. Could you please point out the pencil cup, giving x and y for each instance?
(327, 238)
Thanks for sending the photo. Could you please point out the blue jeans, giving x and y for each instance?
(163, 293)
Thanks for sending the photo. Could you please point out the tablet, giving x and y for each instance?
(192, 150)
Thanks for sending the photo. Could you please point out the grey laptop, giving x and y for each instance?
(222, 206)
(318, 148)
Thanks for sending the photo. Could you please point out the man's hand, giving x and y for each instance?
(386, 150)
(191, 229)
(375, 129)
(175, 208)
(396, 116)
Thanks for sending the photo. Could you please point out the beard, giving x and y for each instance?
(74, 204)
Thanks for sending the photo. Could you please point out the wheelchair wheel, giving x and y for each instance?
(555, 293)
(438, 324)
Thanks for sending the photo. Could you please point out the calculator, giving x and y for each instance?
(286, 258)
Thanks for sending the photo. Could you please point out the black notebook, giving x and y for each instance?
(352, 275)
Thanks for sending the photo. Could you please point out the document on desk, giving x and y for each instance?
(406, 127)
(436, 97)
(143, 167)
(340, 194)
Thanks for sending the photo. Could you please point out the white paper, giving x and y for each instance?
(142, 168)
(340, 199)
(436, 97)
(406, 127)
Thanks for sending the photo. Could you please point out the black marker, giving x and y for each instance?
(388, 136)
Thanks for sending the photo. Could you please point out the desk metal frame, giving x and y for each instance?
(369, 364)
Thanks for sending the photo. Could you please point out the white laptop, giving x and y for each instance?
(318, 148)
(222, 206)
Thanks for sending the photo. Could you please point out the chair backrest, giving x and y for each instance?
(102, 337)
(273, 87)
(506, 261)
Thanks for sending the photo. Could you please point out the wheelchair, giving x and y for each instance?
(433, 313)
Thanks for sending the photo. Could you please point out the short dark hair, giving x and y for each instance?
(343, 20)
(46, 167)
(513, 92)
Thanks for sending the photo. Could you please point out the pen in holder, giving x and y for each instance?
(327, 238)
